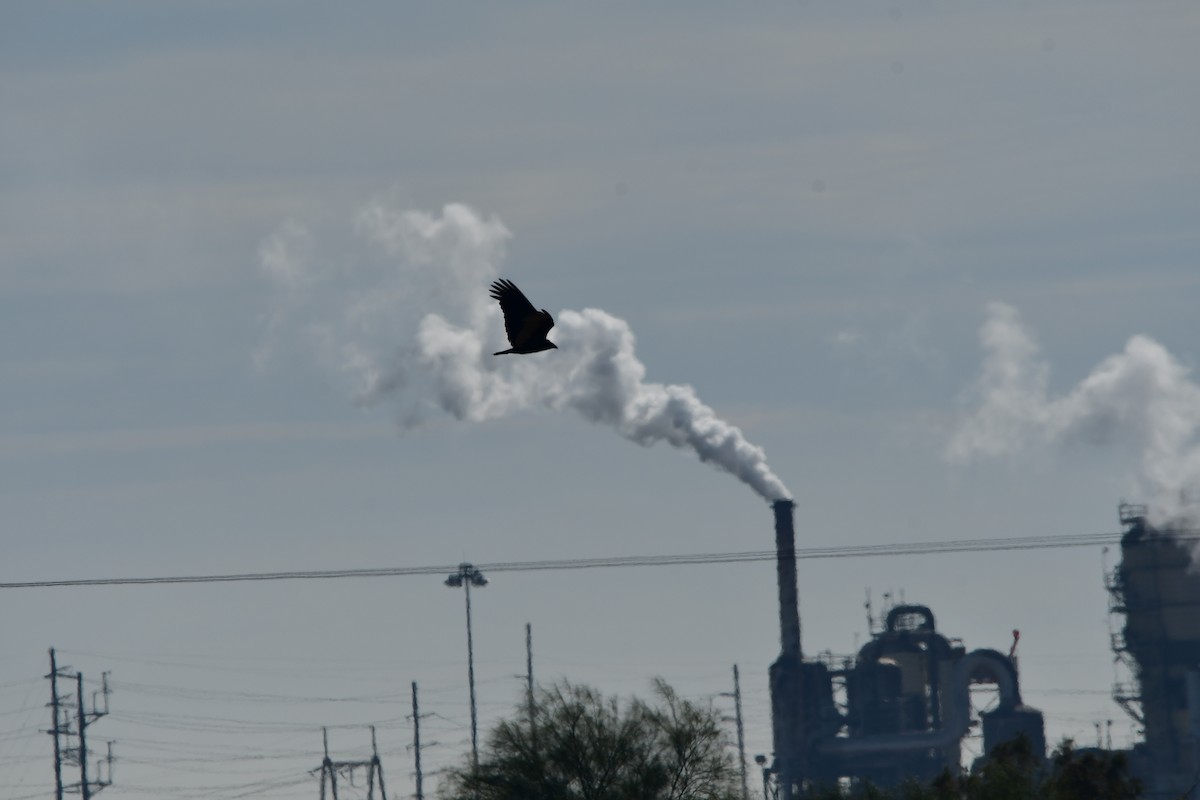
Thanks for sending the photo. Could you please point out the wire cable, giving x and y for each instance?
(853, 551)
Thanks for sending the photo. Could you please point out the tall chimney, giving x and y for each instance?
(787, 673)
(785, 564)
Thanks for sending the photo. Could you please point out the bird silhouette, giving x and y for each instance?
(525, 325)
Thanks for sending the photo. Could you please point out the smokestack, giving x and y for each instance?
(421, 333)
(787, 673)
(785, 564)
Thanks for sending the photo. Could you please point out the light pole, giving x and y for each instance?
(466, 577)
(761, 760)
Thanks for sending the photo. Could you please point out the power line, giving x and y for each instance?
(854, 551)
(192, 693)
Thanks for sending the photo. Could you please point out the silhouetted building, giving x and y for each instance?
(898, 709)
(1156, 588)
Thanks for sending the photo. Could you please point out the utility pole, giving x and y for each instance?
(736, 694)
(416, 745)
(64, 730)
(83, 779)
(529, 686)
(56, 729)
(467, 576)
(88, 787)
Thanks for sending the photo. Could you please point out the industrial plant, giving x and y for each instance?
(901, 707)
(1156, 588)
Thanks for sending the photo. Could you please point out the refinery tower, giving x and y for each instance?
(1155, 601)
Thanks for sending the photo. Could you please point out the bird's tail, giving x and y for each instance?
(502, 352)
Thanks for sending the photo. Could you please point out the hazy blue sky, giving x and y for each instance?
(807, 212)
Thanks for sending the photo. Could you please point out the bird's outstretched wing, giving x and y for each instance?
(523, 323)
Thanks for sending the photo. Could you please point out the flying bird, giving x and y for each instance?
(525, 325)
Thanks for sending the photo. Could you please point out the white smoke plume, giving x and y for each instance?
(412, 324)
(1142, 400)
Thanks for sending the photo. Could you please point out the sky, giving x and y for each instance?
(932, 266)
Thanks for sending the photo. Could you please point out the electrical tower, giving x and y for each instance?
(68, 727)
(331, 770)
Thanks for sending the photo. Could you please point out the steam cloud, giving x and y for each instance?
(412, 324)
(1141, 399)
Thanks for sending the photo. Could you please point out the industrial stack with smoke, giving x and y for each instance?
(895, 711)
(1156, 590)
(900, 707)
(409, 321)
(1143, 401)
(412, 324)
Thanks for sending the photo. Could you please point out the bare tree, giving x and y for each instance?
(589, 747)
